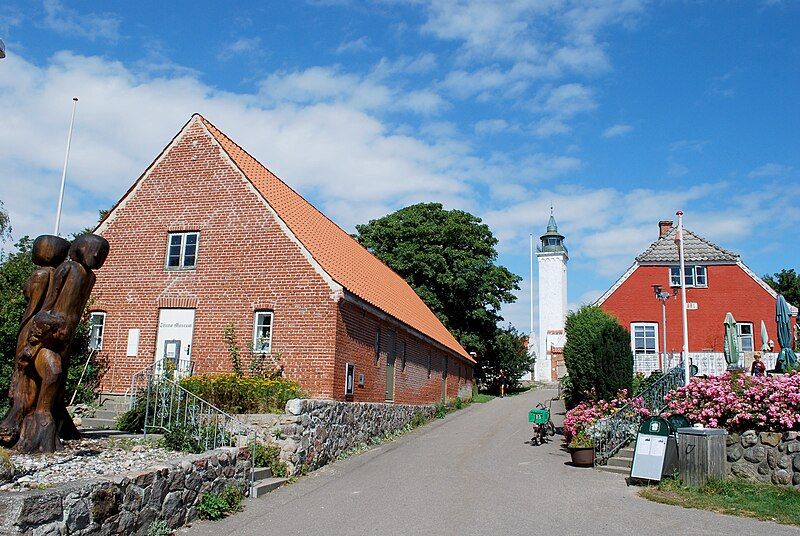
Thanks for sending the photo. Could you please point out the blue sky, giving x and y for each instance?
(618, 112)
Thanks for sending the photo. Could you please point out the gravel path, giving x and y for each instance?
(472, 473)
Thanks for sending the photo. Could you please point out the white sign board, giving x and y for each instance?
(648, 458)
(133, 342)
(691, 306)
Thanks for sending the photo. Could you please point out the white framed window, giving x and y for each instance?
(349, 378)
(696, 276)
(262, 332)
(745, 333)
(644, 338)
(182, 250)
(97, 323)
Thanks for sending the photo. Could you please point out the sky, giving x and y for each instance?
(617, 113)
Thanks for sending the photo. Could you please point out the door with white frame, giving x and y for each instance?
(174, 341)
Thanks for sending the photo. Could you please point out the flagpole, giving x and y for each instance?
(679, 239)
(64, 171)
(532, 337)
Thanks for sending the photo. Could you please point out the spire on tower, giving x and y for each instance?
(552, 240)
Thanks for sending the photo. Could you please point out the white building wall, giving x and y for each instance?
(552, 305)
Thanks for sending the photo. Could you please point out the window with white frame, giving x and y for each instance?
(182, 250)
(644, 338)
(696, 276)
(97, 322)
(349, 378)
(262, 332)
(745, 332)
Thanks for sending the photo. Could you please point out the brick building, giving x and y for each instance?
(207, 239)
(717, 282)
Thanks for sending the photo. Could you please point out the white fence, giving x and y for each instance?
(707, 363)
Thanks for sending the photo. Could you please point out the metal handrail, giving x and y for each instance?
(612, 433)
(181, 368)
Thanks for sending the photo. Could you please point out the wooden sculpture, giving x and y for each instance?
(56, 299)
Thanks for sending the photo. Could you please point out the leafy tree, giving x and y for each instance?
(597, 355)
(786, 282)
(5, 223)
(508, 350)
(448, 257)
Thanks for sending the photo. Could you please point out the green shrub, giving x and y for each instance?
(597, 355)
(458, 403)
(214, 506)
(418, 419)
(642, 381)
(195, 439)
(441, 410)
(159, 527)
(133, 420)
(244, 394)
(269, 455)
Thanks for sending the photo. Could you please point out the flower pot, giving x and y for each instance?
(582, 457)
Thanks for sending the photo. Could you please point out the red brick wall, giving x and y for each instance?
(245, 262)
(729, 289)
(356, 329)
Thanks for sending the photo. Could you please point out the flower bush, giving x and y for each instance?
(244, 394)
(738, 402)
(585, 416)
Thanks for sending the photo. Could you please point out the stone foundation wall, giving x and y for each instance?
(766, 457)
(316, 432)
(127, 503)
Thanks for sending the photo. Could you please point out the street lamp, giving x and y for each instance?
(662, 296)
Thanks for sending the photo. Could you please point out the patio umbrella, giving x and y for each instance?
(786, 358)
(764, 338)
(731, 342)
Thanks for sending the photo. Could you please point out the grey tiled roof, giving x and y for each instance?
(695, 249)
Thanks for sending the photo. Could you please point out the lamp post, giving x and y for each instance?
(64, 172)
(662, 296)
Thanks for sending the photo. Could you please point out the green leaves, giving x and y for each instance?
(786, 282)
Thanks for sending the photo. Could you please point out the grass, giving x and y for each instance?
(480, 398)
(733, 496)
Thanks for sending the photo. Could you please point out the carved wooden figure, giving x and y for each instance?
(47, 253)
(47, 344)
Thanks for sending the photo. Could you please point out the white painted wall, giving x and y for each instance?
(552, 304)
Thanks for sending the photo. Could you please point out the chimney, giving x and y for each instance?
(664, 226)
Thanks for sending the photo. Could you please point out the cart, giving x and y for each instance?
(543, 427)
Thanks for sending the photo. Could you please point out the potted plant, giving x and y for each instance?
(581, 448)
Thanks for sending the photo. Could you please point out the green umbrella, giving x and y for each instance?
(731, 342)
(786, 358)
(764, 338)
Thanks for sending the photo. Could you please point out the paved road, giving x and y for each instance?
(472, 473)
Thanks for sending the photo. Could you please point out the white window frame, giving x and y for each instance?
(692, 275)
(258, 349)
(182, 258)
(751, 335)
(99, 339)
(635, 325)
(349, 379)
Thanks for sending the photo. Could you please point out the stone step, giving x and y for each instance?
(98, 424)
(105, 414)
(263, 487)
(262, 473)
(618, 461)
(613, 469)
(121, 407)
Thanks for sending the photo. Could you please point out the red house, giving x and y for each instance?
(717, 282)
(208, 240)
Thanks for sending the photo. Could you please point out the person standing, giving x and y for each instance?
(502, 377)
(758, 368)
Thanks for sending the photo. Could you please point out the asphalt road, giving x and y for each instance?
(471, 473)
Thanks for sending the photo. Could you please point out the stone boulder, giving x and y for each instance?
(7, 469)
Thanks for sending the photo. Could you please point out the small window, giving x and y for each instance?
(377, 345)
(97, 322)
(695, 276)
(182, 250)
(349, 380)
(644, 338)
(262, 332)
(402, 354)
(430, 363)
(700, 276)
(745, 332)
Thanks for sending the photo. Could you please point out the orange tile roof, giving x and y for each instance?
(341, 256)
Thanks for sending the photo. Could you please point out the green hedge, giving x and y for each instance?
(243, 394)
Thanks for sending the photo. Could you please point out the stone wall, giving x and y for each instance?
(316, 432)
(127, 503)
(766, 457)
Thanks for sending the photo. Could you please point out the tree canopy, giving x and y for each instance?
(448, 257)
(786, 282)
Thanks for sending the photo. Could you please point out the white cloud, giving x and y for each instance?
(491, 126)
(243, 45)
(695, 146)
(769, 170)
(355, 45)
(92, 26)
(617, 130)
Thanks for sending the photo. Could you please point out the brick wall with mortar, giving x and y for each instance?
(729, 289)
(245, 263)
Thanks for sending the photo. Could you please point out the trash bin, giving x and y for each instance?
(701, 455)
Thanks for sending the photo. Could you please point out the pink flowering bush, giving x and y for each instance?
(586, 414)
(738, 402)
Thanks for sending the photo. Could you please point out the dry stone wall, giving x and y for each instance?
(316, 432)
(128, 503)
(771, 457)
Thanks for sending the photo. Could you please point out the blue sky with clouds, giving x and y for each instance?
(618, 112)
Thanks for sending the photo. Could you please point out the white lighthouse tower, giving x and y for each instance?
(552, 259)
